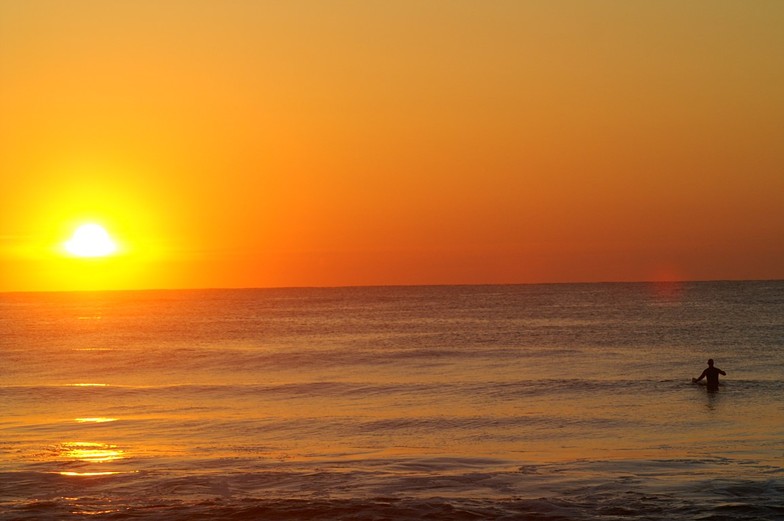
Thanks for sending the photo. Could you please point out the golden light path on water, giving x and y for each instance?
(89, 474)
(91, 452)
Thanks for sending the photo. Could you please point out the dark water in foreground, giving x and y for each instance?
(473, 402)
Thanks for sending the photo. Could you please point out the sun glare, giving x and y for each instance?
(90, 240)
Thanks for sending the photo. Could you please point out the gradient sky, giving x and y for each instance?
(320, 143)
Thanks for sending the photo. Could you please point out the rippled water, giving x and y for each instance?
(470, 402)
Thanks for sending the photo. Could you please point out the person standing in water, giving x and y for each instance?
(712, 374)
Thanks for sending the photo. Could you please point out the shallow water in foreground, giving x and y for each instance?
(470, 402)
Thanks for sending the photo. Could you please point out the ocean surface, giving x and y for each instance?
(545, 402)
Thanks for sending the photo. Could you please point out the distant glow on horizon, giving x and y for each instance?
(90, 240)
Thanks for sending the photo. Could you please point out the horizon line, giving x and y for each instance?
(368, 286)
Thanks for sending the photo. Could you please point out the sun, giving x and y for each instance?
(90, 240)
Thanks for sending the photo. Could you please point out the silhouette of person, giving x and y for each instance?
(712, 374)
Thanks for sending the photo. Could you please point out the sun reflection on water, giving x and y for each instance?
(88, 474)
(91, 452)
(99, 419)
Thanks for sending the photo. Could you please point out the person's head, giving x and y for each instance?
(710, 362)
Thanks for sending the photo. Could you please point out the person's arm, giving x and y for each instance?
(695, 380)
(722, 373)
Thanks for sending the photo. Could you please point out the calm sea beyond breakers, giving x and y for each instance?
(545, 402)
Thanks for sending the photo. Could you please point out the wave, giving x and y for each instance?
(490, 389)
(320, 495)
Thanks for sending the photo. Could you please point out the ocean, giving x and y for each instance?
(545, 402)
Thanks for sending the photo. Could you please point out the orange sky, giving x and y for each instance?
(253, 143)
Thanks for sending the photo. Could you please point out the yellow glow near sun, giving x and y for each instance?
(90, 240)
